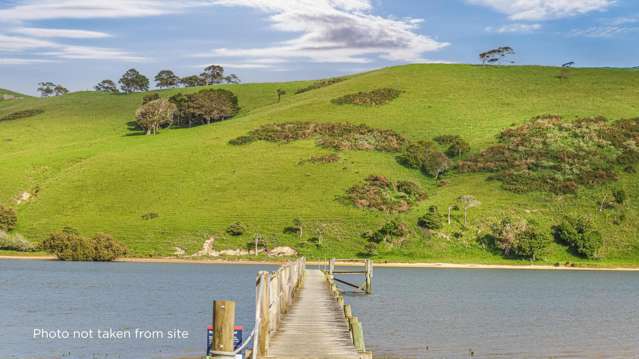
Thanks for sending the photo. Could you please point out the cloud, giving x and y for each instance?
(21, 61)
(60, 33)
(544, 9)
(30, 10)
(333, 31)
(609, 28)
(514, 28)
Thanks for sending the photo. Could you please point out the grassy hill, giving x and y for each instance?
(9, 92)
(91, 172)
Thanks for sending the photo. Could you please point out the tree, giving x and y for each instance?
(212, 105)
(232, 79)
(496, 55)
(8, 219)
(426, 157)
(578, 233)
(192, 81)
(280, 93)
(213, 74)
(107, 86)
(133, 81)
(467, 202)
(60, 90)
(46, 89)
(166, 79)
(519, 238)
(155, 114)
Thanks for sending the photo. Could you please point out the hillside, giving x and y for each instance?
(89, 171)
(9, 92)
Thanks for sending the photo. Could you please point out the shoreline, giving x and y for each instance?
(379, 264)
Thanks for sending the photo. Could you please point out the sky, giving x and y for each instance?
(78, 43)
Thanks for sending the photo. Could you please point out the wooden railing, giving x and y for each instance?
(367, 272)
(275, 292)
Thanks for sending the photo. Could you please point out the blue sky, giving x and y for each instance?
(79, 42)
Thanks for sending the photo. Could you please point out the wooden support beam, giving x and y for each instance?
(223, 326)
(264, 336)
(358, 335)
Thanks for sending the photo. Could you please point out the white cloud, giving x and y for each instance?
(84, 9)
(544, 9)
(514, 28)
(21, 61)
(21, 43)
(609, 28)
(333, 31)
(60, 33)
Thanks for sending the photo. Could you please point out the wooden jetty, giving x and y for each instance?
(300, 313)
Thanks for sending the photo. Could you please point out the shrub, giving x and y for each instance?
(236, 229)
(518, 238)
(106, 248)
(15, 242)
(552, 155)
(8, 219)
(380, 193)
(68, 245)
(150, 97)
(319, 84)
(337, 136)
(150, 215)
(458, 148)
(21, 114)
(424, 156)
(155, 114)
(430, 220)
(390, 230)
(322, 159)
(579, 235)
(376, 97)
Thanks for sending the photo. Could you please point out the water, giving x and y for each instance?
(413, 313)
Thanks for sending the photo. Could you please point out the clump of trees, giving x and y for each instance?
(425, 156)
(154, 115)
(519, 238)
(69, 245)
(382, 194)
(553, 155)
(457, 146)
(166, 79)
(8, 219)
(375, 97)
(495, 56)
(579, 234)
(47, 89)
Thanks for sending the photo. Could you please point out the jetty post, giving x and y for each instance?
(223, 327)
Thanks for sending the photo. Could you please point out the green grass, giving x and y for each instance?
(94, 175)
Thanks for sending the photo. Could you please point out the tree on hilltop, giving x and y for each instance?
(496, 55)
(192, 81)
(213, 74)
(166, 79)
(107, 86)
(133, 81)
(46, 89)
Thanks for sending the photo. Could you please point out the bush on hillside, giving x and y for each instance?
(154, 115)
(579, 235)
(150, 97)
(430, 221)
(390, 231)
(321, 159)
(424, 156)
(382, 194)
(337, 136)
(15, 242)
(236, 229)
(21, 114)
(519, 239)
(8, 218)
(319, 84)
(457, 146)
(552, 155)
(376, 97)
(68, 245)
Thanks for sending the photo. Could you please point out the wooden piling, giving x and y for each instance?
(368, 286)
(223, 326)
(358, 335)
(264, 336)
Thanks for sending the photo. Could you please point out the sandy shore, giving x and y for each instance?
(379, 263)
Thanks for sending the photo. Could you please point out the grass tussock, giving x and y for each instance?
(375, 97)
(22, 114)
(321, 159)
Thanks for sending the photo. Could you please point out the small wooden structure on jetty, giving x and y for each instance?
(300, 313)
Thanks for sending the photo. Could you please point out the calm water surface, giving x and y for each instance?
(413, 313)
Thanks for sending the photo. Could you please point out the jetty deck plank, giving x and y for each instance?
(314, 327)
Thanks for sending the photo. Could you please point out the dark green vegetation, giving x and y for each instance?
(382, 194)
(21, 114)
(86, 170)
(69, 245)
(319, 84)
(8, 219)
(376, 97)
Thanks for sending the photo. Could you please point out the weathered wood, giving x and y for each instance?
(368, 287)
(223, 326)
(264, 314)
(358, 335)
(331, 266)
